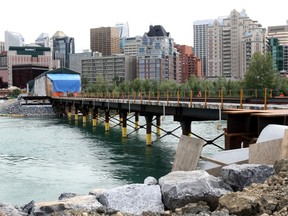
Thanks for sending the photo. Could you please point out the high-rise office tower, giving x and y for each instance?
(43, 40)
(62, 47)
(13, 39)
(105, 40)
(278, 44)
(230, 44)
(123, 29)
(2, 46)
(200, 42)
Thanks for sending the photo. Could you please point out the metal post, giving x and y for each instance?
(205, 97)
(121, 118)
(265, 99)
(167, 98)
(137, 125)
(158, 124)
(84, 114)
(149, 129)
(241, 98)
(107, 120)
(69, 111)
(94, 116)
(191, 97)
(124, 124)
(222, 99)
(76, 113)
(186, 127)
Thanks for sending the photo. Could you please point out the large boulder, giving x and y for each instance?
(240, 176)
(240, 203)
(133, 198)
(8, 209)
(182, 187)
(281, 167)
(87, 203)
(150, 181)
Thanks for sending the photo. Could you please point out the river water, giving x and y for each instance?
(40, 158)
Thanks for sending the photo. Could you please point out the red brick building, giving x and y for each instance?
(189, 64)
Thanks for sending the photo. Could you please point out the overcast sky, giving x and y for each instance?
(75, 17)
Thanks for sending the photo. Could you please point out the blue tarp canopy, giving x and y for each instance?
(65, 82)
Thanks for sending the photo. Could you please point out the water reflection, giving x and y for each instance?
(40, 158)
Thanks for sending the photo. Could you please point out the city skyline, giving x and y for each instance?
(76, 19)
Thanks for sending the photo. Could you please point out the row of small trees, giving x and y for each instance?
(259, 75)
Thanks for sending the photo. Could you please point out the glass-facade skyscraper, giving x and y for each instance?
(123, 29)
(280, 57)
(13, 39)
(62, 47)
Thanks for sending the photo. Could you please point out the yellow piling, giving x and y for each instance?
(94, 122)
(148, 139)
(124, 132)
(107, 126)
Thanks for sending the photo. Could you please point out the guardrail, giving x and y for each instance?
(258, 97)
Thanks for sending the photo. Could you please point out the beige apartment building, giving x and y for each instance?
(279, 32)
(105, 40)
(131, 45)
(231, 42)
(120, 67)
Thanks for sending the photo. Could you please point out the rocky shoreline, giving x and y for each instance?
(247, 189)
(13, 107)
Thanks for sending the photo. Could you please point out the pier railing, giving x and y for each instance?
(220, 97)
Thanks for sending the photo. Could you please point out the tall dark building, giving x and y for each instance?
(105, 40)
(62, 47)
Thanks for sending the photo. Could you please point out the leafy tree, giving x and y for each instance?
(15, 92)
(124, 87)
(84, 82)
(233, 88)
(169, 85)
(282, 85)
(117, 80)
(146, 85)
(194, 84)
(154, 86)
(101, 84)
(220, 83)
(136, 85)
(260, 73)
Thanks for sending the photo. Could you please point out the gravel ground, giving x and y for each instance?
(12, 107)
